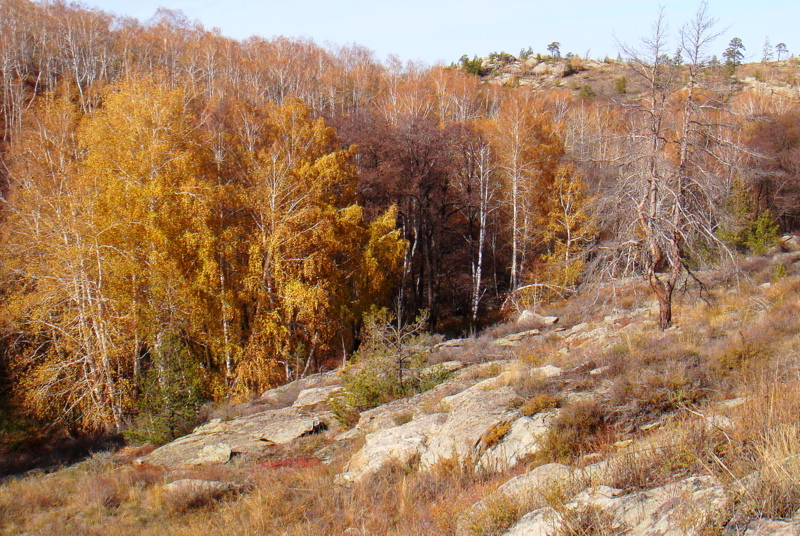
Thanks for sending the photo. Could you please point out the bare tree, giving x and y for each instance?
(670, 201)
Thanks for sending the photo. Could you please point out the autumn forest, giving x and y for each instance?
(189, 214)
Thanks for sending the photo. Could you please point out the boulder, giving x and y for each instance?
(285, 395)
(462, 432)
(384, 416)
(282, 431)
(446, 367)
(473, 414)
(541, 69)
(542, 477)
(211, 454)
(531, 62)
(520, 490)
(452, 343)
(790, 243)
(397, 445)
(676, 509)
(540, 522)
(547, 371)
(522, 440)
(516, 338)
(243, 435)
(560, 70)
(522, 335)
(315, 397)
(763, 527)
(531, 316)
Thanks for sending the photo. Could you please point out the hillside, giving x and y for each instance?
(583, 418)
(188, 220)
(266, 286)
(614, 78)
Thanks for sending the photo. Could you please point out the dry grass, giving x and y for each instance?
(500, 513)
(115, 500)
(539, 403)
(589, 520)
(656, 389)
(580, 427)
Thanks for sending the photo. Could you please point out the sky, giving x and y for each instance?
(436, 31)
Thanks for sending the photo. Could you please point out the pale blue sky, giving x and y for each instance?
(434, 31)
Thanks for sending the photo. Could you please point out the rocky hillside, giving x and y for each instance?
(581, 418)
(611, 78)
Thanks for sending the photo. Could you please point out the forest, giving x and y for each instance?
(186, 215)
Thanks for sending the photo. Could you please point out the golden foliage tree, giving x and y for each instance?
(315, 266)
(69, 352)
(566, 231)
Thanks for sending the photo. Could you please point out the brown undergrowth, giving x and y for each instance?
(100, 497)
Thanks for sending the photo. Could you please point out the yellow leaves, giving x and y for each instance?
(567, 229)
(263, 262)
(383, 256)
(306, 263)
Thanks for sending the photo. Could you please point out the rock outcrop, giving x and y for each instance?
(473, 420)
(398, 445)
(678, 509)
(217, 440)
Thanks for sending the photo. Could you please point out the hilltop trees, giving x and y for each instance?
(780, 49)
(734, 53)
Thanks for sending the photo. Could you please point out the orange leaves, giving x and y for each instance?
(244, 240)
(304, 276)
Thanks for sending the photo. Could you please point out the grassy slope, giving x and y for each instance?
(742, 339)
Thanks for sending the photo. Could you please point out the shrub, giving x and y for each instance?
(587, 92)
(621, 85)
(525, 53)
(471, 66)
(762, 233)
(503, 58)
(171, 393)
(496, 433)
(578, 429)
(538, 404)
(496, 518)
(390, 364)
(743, 230)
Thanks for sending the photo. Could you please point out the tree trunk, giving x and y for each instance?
(663, 292)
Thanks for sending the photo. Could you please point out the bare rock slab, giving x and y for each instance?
(397, 445)
(214, 440)
(676, 509)
(473, 414)
(212, 454)
(316, 397)
(763, 527)
(524, 438)
(518, 490)
(530, 316)
(516, 339)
